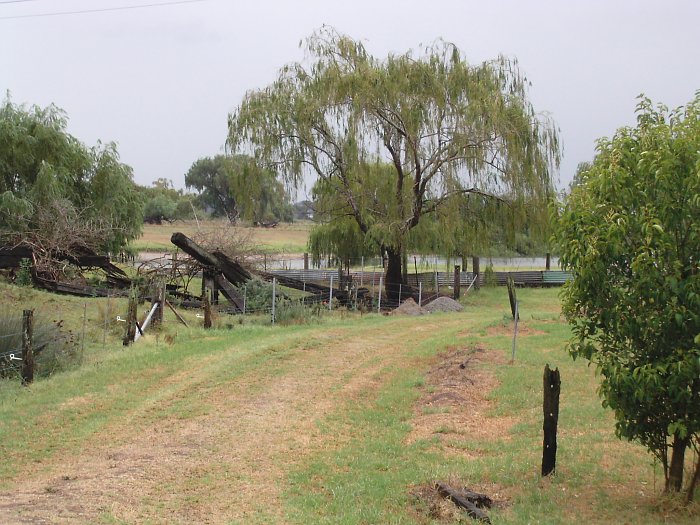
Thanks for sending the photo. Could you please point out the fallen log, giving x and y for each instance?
(462, 500)
(76, 289)
(234, 272)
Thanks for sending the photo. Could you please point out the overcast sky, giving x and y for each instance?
(160, 81)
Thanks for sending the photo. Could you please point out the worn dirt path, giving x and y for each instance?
(224, 457)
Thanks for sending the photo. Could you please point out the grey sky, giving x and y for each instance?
(161, 81)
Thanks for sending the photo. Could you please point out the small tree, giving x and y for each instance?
(630, 233)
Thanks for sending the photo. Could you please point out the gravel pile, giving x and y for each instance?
(409, 307)
(443, 304)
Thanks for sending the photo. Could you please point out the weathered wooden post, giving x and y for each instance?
(206, 303)
(456, 288)
(173, 265)
(306, 260)
(512, 296)
(27, 350)
(159, 299)
(551, 386)
(130, 333)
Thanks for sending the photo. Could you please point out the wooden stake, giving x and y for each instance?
(552, 386)
(456, 288)
(27, 351)
(130, 334)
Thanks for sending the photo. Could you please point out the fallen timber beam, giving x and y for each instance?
(467, 500)
(234, 272)
(76, 289)
(229, 292)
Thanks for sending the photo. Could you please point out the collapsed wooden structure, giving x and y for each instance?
(223, 274)
(85, 259)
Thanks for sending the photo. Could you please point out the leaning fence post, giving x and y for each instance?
(550, 405)
(27, 351)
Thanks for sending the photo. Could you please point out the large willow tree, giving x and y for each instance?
(447, 128)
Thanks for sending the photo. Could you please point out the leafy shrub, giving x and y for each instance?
(24, 275)
(258, 295)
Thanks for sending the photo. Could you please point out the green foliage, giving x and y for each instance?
(258, 295)
(159, 207)
(24, 274)
(233, 186)
(164, 202)
(630, 233)
(42, 165)
(395, 140)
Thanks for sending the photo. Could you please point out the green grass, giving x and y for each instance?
(367, 471)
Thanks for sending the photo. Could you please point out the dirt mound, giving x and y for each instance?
(409, 307)
(443, 304)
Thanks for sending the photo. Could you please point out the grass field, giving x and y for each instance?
(285, 238)
(345, 421)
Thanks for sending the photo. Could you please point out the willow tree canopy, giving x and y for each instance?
(447, 129)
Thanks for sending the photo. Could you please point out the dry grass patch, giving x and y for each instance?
(455, 401)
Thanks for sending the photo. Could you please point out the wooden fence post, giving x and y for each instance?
(173, 266)
(159, 297)
(552, 386)
(512, 296)
(206, 303)
(130, 334)
(456, 288)
(27, 351)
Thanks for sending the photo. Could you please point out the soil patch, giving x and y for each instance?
(507, 330)
(452, 409)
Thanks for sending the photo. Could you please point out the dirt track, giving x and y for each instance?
(225, 463)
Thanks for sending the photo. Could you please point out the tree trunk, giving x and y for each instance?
(675, 472)
(394, 275)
